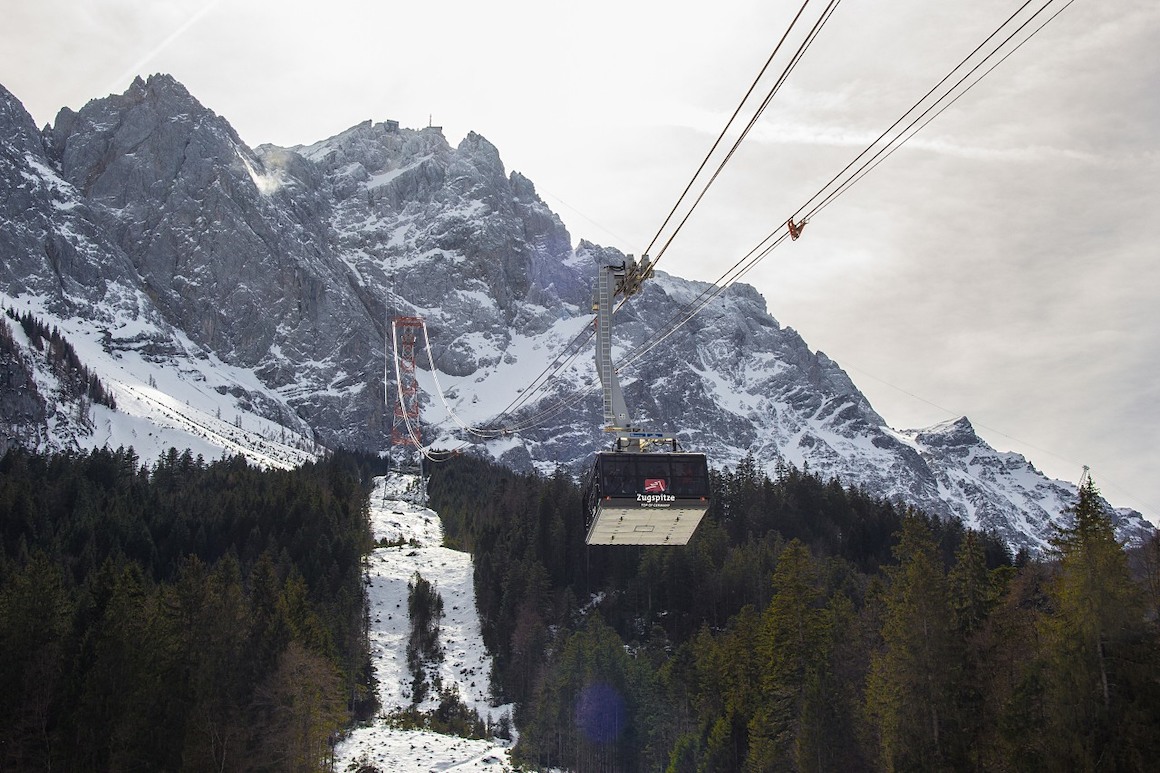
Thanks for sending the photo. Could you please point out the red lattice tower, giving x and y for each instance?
(406, 332)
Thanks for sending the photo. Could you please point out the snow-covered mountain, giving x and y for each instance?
(237, 298)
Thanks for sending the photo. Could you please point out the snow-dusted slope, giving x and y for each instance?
(396, 514)
(1001, 491)
(179, 396)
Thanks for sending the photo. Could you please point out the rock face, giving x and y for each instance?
(53, 242)
(21, 406)
(223, 247)
(144, 217)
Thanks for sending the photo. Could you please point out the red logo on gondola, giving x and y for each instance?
(655, 485)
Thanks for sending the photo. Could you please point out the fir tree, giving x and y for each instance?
(1096, 638)
(792, 651)
(910, 679)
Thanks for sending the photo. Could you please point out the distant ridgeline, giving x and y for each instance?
(807, 626)
(188, 616)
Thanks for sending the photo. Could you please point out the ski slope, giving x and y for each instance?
(397, 513)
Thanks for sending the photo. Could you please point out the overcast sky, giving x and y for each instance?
(1002, 265)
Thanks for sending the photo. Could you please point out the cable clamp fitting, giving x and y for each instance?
(795, 229)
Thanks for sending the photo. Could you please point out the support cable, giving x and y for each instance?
(725, 130)
(797, 57)
(775, 238)
(844, 179)
(557, 366)
(883, 154)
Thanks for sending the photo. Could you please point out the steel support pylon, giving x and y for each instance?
(405, 430)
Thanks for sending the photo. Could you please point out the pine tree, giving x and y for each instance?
(35, 616)
(425, 609)
(1093, 634)
(969, 584)
(910, 679)
(1012, 729)
(1150, 558)
(791, 651)
(971, 595)
(588, 710)
(301, 707)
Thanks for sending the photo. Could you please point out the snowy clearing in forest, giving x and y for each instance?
(397, 514)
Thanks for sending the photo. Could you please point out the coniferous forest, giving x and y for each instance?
(210, 616)
(808, 626)
(188, 616)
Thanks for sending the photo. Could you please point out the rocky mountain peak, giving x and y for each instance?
(374, 148)
(949, 434)
(51, 242)
(135, 147)
(20, 133)
(483, 159)
(151, 232)
(159, 86)
(523, 188)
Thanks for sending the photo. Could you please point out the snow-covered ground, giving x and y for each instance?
(395, 513)
(188, 399)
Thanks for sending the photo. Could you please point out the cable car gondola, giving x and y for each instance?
(636, 495)
(645, 498)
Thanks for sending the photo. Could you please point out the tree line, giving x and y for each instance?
(183, 616)
(76, 379)
(808, 626)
